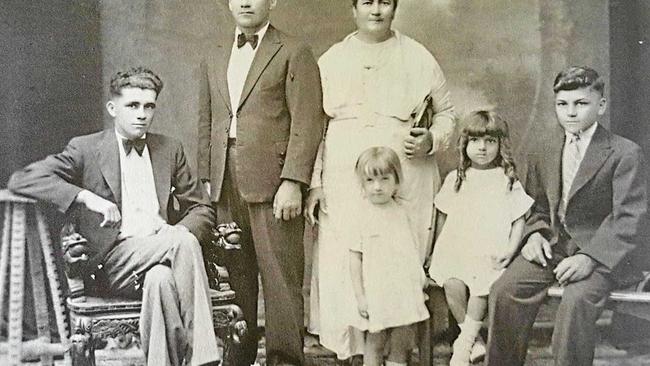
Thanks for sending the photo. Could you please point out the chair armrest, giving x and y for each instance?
(75, 258)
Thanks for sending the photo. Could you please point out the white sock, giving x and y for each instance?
(392, 363)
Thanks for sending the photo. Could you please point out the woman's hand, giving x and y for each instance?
(315, 201)
(362, 306)
(418, 143)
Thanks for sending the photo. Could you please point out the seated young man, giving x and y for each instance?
(589, 187)
(117, 184)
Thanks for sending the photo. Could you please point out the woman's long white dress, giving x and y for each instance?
(369, 93)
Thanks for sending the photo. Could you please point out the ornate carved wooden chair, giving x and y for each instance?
(95, 319)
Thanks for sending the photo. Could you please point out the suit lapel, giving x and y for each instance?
(108, 157)
(269, 46)
(597, 152)
(554, 166)
(161, 166)
(224, 49)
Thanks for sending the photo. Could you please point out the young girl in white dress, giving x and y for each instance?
(387, 276)
(481, 208)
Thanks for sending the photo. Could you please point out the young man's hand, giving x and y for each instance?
(574, 268)
(287, 203)
(537, 249)
(106, 208)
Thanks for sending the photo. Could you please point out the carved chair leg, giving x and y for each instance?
(82, 350)
(235, 331)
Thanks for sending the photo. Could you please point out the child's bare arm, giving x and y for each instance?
(502, 259)
(441, 217)
(356, 260)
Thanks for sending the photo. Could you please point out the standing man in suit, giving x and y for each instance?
(117, 183)
(260, 123)
(583, 231)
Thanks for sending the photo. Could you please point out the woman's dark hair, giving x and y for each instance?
(354, 3)
(485, 123)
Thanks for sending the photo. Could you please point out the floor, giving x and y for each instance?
(539, 355)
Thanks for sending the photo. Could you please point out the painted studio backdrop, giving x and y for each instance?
(58, 55)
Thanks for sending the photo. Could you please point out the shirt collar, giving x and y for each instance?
(260, 33)
(585, 135)
(120, 137)
(119, 142)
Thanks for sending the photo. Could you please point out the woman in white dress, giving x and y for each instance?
(374, 80)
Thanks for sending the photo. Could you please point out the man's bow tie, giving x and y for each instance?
(138, 145)
(243, 38)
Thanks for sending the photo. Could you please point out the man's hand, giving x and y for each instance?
(537, 249)
(362, 306)
(107, 209)
(418, 143)
(501, 259)
(287, 203)
(315, 201)
(574, 268)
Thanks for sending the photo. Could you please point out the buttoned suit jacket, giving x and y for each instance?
(92, 162)
(280, 119)
(606, 213)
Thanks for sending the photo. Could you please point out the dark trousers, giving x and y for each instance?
(273, 248)
(515, 300)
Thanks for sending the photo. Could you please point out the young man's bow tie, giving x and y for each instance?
(138, 145)
(243, 38)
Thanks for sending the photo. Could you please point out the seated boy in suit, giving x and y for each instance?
(590, 209)
(117, 184)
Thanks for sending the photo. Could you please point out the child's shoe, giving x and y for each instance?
(462, 348)
(463, 345)
(478, 351)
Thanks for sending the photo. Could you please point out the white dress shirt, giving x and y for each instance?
(238, 67)
(140, 207)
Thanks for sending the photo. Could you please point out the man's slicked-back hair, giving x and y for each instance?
(577, 77)
(135, 77)
(354, 3)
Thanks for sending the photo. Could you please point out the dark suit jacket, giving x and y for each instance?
(92, 162)
(606, 215)
(280, 118)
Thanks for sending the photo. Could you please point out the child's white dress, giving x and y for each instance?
(479, 219)
(393, 278)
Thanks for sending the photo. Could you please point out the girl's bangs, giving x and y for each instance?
(479, 127)
(377, 167)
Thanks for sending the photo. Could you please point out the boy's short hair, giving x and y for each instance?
(576, 77)
(135, 77)
(354, 3)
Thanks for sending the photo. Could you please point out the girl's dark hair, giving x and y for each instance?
(482, 123)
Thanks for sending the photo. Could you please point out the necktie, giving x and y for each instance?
(243, 38)
(570, 164)
(138, 145)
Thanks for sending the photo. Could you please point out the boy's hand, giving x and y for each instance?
(362, 305)
(574, 268)
(501, 259)
(537, 249)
